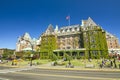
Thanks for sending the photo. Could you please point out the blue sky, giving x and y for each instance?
(33, 16)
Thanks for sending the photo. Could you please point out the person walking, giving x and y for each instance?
(111, 63)
(114, 61)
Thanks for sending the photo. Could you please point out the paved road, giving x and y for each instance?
(47, 74)
(5, 67)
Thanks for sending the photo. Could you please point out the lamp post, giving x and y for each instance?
(0, 58)
(31, 55)
(31, 59)
(113, 53)
(14, 59)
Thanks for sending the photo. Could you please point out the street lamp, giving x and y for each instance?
(31, 56)
(113, 53)
(31, 59)
(0, 58)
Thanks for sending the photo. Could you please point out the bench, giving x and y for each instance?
(89, 66)
(69, 66)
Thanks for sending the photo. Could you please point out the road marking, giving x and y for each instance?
(67, 76)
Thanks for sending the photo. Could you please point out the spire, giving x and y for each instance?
(56, 28)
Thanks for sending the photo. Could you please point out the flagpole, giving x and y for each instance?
(69, 20)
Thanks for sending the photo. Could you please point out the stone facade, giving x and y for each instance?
(25, 42)
(68, 37)
(87, 40)
(78, 40)
(112, 43)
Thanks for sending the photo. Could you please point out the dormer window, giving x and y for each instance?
(70, 29)
(66, 30)
(61, 31)
(75, 29)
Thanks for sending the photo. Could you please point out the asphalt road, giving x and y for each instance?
(47, 74)
(5, 67)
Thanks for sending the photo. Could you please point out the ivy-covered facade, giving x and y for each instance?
(95, 42)
(48, 43)
(77, 41)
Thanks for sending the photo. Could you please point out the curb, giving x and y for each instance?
(12, 66)
(79, 69)
(71, 69)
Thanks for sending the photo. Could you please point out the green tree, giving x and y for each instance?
(7, 53)
(53, 57)
(27, 54)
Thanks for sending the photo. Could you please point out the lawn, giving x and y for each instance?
(22, 62)
(75, 62)
(83, 62)
(95, 62)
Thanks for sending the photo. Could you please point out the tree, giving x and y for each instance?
(68, 57)
(7, 53)
(27, 54)
(53, 57)
(20, 54)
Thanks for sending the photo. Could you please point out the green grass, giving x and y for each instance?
(95, 62)
(42, 61)
(82, 62)
(27, 62)
(75, 62)
(39, 61)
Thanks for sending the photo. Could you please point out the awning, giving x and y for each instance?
(27, 49)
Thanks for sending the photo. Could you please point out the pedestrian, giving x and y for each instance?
(111, 63)
(114, 61)
(119, 66)
(100, 65)
(12, 63)
(103, 63)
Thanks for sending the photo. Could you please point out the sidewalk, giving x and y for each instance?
(48, 66)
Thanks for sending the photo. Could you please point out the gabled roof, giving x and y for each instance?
(50, 29)
(91, 22)
(26, 36)
(88, 22)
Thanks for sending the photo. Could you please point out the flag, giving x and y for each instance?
(67, 17)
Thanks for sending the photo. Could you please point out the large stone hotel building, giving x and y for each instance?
(86, 40)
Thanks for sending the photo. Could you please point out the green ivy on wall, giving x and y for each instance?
(95, 42)
(48, 44)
